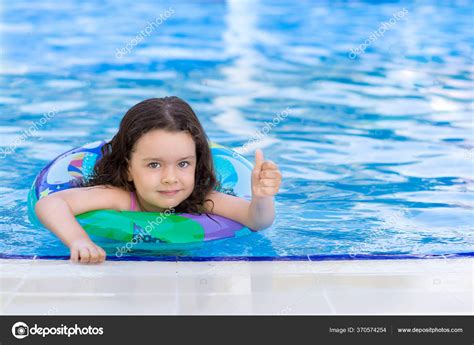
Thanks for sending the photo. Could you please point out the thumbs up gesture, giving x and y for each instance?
(266, 177)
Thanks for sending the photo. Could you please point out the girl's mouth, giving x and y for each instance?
(169, 193)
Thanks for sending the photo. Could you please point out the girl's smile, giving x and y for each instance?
(162, 168)
(169, 193)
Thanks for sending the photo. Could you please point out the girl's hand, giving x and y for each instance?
(85, 251)
(266, 177)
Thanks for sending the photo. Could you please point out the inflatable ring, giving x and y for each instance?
(144, 230)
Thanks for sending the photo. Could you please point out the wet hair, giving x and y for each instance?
(170, 114)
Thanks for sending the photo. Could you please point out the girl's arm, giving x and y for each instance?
(255, 215)
(259, 213)
(57, 211)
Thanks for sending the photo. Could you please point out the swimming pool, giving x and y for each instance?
(376, 150)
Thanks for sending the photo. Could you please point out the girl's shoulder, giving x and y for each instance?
(119, 199)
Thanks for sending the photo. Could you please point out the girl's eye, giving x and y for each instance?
(183, 162)
(153, 165)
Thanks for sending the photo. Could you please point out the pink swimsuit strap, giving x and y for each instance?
(133, 202)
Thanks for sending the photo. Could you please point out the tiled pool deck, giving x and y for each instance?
(342, 287)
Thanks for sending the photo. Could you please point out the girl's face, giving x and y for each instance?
(162, 167)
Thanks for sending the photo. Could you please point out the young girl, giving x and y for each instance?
(159, 159)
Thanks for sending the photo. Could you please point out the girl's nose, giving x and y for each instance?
(169, 176)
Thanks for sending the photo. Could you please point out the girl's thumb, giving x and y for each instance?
(258, 160)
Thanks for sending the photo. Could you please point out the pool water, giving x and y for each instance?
(376, 145)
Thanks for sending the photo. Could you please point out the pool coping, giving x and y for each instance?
(355, 287)
(316, 257)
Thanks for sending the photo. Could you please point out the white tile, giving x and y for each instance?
(378, 302)
(302, 302)
(95, 304)
(14, 268)
(103, 284)
(9, 284)
(215, 284)
(214, 304)
(242, 287)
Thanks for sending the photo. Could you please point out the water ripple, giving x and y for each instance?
(376, 152)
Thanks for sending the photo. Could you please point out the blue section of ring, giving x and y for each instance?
(258, 258)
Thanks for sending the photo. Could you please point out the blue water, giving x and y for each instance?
(376, 153)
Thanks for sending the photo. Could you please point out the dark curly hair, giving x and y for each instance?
(171, 114)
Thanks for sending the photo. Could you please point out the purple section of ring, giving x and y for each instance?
(212, 230)
(41, 181)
